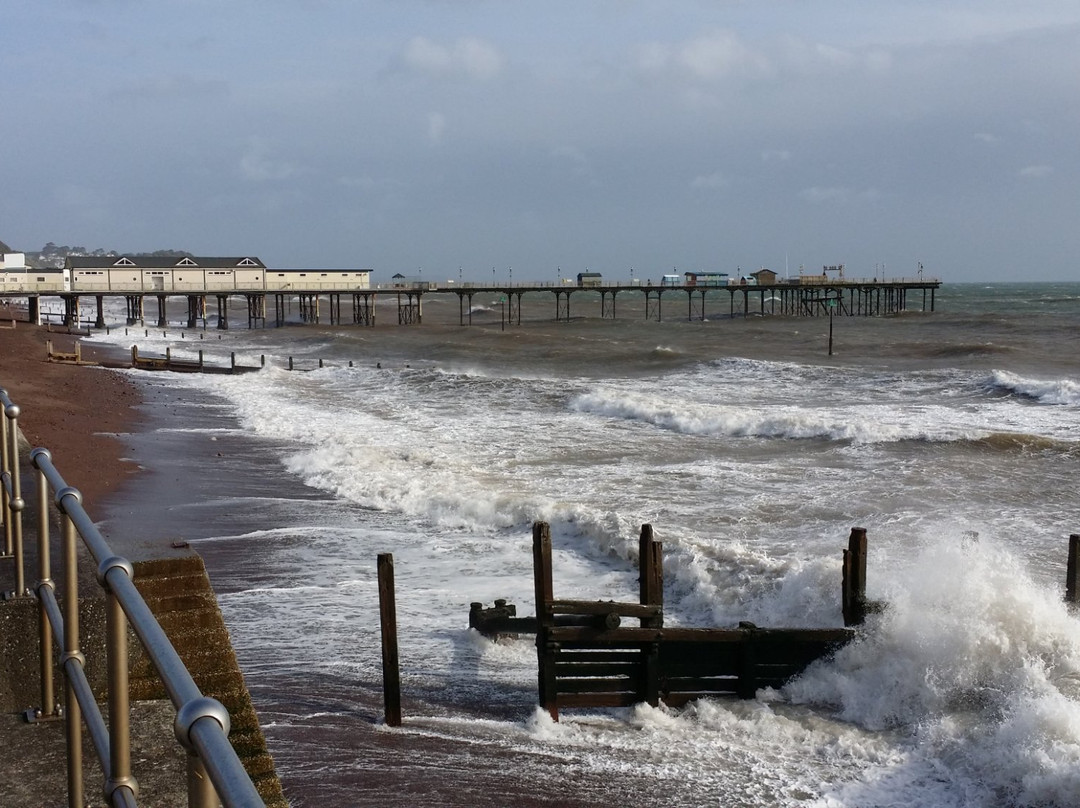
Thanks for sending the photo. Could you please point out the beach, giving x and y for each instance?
(75, 412)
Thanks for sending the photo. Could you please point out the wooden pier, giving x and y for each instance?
(800, 297)
(587, 658)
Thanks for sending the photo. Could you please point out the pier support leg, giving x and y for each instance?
(223, 312)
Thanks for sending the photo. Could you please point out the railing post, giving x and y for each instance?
(73, 713)
(116, 632)
(13, 501)
(45, 636)
(201, 792)
(5, 479)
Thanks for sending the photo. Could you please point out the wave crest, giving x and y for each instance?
(1044, 391)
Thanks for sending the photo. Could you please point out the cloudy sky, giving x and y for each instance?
(451, 137)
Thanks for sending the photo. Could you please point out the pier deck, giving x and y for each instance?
(800, 297)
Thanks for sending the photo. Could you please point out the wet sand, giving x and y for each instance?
(75, 412)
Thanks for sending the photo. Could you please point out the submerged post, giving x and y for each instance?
(854, 582)
(388, 620)
(1072, 572)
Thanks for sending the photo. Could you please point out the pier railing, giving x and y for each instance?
(215, 775)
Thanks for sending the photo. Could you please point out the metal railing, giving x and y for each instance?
(215, 775)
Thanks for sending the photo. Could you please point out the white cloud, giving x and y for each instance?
(714, 180)
(818, 195)
(1036, 171)
(573, 156)
(775, 156)
(257, 165)
(467, 57)
(711, 57)
(436, 127)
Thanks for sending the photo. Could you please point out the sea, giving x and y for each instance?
(951, 436)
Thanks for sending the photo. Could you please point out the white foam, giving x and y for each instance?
(1044, 391)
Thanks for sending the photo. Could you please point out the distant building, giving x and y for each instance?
(400, 281)
(12, 262)
(764, 277)
(589, 278)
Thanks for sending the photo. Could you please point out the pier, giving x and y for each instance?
(805, 296)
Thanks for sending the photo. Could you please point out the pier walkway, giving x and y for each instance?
(805, 296)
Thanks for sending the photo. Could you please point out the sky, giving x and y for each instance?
(480, 139)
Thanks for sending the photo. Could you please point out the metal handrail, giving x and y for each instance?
(11, 501)
(215, 775)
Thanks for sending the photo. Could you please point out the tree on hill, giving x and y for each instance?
(4, 248)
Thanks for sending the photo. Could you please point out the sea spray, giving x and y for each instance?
(978, 665)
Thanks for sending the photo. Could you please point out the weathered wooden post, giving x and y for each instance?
(1072, 572)
(388, 620)
(544, 595)
(747, 685)
(651, 566)
(651, 563)
(134, 356)
(853, 599)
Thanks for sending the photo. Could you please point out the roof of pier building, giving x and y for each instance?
(161, 262)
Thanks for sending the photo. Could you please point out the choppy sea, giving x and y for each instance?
(953, 437)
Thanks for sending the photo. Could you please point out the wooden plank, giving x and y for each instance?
(599, 685)
(598, 699)
(576, 655)
(601, 607)
(571, 670)
(631, 636)
(704, 684)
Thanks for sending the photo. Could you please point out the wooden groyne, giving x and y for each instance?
(588, 658)
(140, 361)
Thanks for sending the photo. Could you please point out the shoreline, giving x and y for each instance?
(78, 413)
(93, 420)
